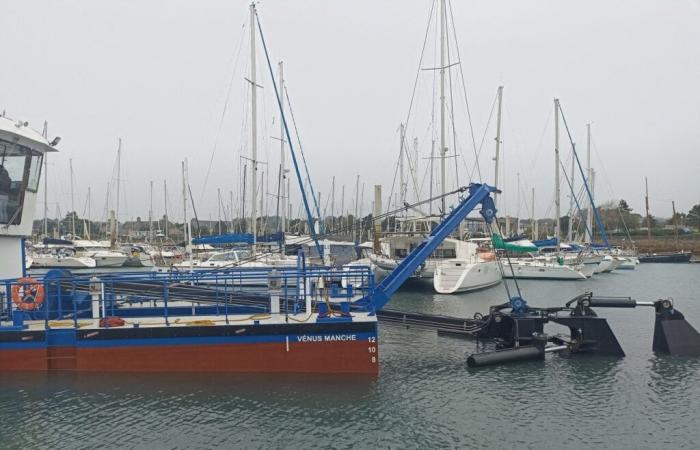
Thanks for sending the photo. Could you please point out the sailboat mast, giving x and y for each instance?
(187, 229)
(86, 230)
(496, 158)
(517, 208)
(46, 184)
(230, 193)
(333, 203)
(357, 205)
(646, 200)
(570, 233)
(443, 149)
(342, 208)
(432, 171)
(72, 202)
(402, 177)
(150, 214)
(218, 207)
(533, 221)
(283, 168)
(253, 132)
(165, 209)
(675, 224)
(414, 172)
(589, 215)
(119, 159)
(557, 202)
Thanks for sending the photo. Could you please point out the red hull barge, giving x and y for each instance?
(321, 347)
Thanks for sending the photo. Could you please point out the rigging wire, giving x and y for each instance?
(223, 112)
(420, 63)
(466, 99)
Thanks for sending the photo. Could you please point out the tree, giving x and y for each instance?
(693, 217)
(624, 207)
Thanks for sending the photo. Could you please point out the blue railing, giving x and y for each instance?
(220, 292)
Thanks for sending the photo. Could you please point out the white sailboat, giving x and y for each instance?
(456, 275)
(542, 270)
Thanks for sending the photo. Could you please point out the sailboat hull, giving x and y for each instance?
(455, 276)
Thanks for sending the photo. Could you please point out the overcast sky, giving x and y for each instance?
(157, 73)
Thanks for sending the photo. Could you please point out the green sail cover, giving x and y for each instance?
(522, 246)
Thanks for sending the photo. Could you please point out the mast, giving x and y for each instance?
(254, 132)
(333, 203)
(86, 230)
(443, 149)
(432, 170)
(119, 161)
(72, 203)
(589, 215)
(402, 179)
(187, 229)
(496, 158)
(517, 208)
(570, 231)
(165, 204)
(414, 172)
(675, 224)
(342, 208)
(283, 168)
(357, 205)
(150, 214)
(218, 207)
(230, 193)
(533, 221)
(557, 202)
(646, 200)
(46, 183)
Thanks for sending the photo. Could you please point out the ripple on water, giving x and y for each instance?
(424, 397)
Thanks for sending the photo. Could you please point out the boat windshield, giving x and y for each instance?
(20, 169)
(224, 257)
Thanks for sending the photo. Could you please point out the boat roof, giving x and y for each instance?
(19, 131)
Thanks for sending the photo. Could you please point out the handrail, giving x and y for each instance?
(165, 295)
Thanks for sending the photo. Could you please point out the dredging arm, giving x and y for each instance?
(479, 194)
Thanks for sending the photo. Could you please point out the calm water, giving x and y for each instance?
(425, 397)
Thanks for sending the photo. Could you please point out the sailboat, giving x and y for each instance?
(456, 265)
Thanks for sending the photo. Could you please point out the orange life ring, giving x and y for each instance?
(111, 322)
(28, 294)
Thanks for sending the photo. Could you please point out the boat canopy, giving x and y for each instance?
(545, 242)
(523, 246)
(51, 241)
(221, 239)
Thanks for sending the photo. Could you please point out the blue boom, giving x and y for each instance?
(479, 194)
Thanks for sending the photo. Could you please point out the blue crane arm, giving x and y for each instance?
(479, 194)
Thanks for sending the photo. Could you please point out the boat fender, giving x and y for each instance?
(28, 294)
(112, 321)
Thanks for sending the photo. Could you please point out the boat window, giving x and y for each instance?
(400, 253)
(444, 253)
(20, 169)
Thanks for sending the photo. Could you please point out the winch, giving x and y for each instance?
(517, 330)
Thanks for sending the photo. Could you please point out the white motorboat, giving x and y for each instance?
(61, 260)
(138, 255)
(629, 263)
(100, 252)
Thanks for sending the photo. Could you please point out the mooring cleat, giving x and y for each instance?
(673, 335)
